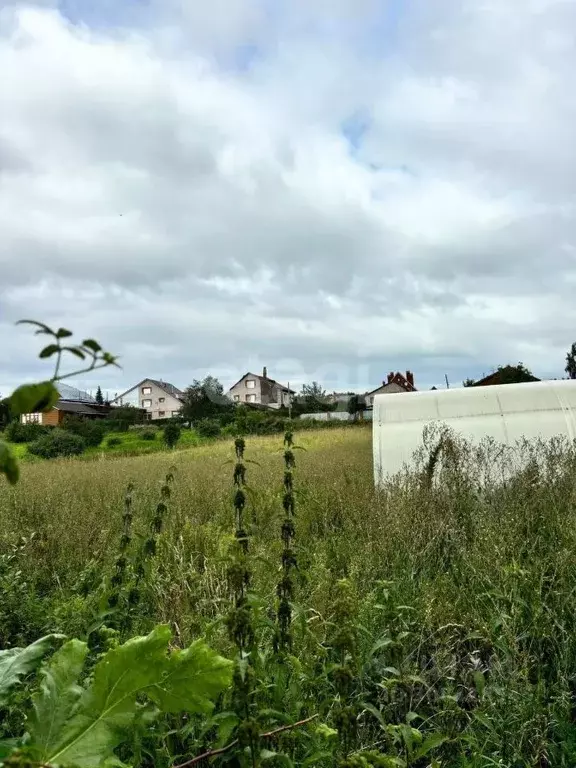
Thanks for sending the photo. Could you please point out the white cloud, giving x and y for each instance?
(177, 181)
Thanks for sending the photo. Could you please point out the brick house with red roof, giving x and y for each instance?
(396, 382)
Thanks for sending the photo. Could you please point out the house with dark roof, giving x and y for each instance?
(396, 382)
(160, 399)
(63, 408)
(260, 390)
(507, 374)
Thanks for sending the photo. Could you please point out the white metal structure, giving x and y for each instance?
(505, 412)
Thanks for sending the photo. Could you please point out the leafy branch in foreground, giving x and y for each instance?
(90, 350)
(72, 725)
(42, 396)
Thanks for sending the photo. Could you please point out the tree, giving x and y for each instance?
(315, 399)
(204, 400)
(468, 382)
(355, 405)
(99, 396)
(571, 362)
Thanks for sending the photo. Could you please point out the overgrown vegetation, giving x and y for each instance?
(431, 624)
(427, 624)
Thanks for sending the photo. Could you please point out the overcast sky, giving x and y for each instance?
(332, 188)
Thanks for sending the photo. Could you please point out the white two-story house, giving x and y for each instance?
(158, 398)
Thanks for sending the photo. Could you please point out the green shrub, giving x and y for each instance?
(259, 423)
(208, 428)
(147, 434)
(227, 417)
(91, 431)
(116, 425)
(171, 434)
(127, 414)
(113, 441)
(24, 433)
(56, 443)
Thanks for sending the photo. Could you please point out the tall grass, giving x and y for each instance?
(464, 585)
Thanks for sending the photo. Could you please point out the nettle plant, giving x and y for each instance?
(42, 396)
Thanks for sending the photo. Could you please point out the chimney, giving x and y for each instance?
(390, 376)
(410, 377)
(264, 373)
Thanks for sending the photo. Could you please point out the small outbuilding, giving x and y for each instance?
(64, 408)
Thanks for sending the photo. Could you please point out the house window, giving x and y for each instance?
(250, 384)
(161, 414)
(250, 398)
(236, 397)
(146, 403)
(160, 399)
(31, 418)
(146, 390)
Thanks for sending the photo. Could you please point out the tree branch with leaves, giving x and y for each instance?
(42, 396)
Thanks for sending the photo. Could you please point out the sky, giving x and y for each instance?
(334, 189)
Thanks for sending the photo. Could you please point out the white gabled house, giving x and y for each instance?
(158, 398)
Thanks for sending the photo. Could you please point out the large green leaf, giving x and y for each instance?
(81, 727)
(195, 677)
(8, 464)
(17, 662)
(33, 398)
(57, 698)
(107, 709)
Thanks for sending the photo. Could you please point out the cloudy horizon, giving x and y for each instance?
(333, 190)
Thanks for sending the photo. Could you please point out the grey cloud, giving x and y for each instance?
(197, 217)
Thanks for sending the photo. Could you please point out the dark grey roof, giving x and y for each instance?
(263, 378)
(72, 406)
(169, 388)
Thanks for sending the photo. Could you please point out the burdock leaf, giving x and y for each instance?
(194, 679)
(107, 709)
(17, 662)
(57, 698)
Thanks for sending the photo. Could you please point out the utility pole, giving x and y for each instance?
(447, 382)
(289, 402)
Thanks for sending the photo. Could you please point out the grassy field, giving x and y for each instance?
(463, 597)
